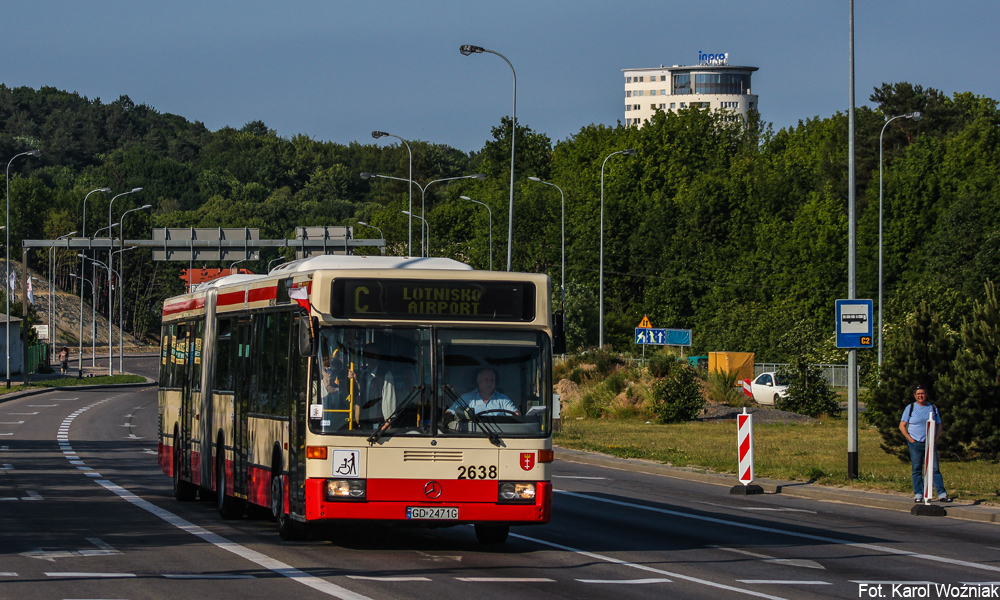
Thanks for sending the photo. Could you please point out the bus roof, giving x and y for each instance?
(368, 262)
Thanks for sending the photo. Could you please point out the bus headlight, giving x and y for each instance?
(344, 489)
(517, 492)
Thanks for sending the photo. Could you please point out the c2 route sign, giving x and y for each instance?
(854, 323)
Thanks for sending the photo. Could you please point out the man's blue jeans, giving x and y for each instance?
(917, 460)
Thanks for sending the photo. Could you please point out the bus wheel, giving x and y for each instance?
(288, 528)
(184, 491)
(229, 506)
(492, 534)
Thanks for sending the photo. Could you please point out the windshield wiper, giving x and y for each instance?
(492, 434)
(387, 424)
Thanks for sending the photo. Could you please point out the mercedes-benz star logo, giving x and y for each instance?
(432, 490)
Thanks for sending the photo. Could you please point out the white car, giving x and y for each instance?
(767, 388)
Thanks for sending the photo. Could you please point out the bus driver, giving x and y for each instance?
(485, 399)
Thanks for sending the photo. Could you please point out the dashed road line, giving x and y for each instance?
(388, 578)
(506, 579)
(625, 581)
(92, 575)
(782, 582)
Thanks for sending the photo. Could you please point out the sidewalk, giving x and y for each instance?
(958, 510)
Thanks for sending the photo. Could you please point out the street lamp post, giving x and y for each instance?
(82, 268)
(111, 287)
(491, 225)
(52, 268)
(626, 152)
(562, 286)
(93, 306)
(466, 50)
(406, 212)
(423, 190)
(92, 295)
(382, 235)
(111, 334)
(236, 263)
(409, 248)
(121, 286)
(7, 256)
(272, 260)
(916, 117)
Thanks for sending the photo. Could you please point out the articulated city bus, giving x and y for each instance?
(362, 388)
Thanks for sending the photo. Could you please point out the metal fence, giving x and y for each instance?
(835, 375)
(37, 356)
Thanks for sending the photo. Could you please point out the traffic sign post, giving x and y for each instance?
(646, 334)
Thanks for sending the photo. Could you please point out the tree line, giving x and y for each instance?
(734, 230)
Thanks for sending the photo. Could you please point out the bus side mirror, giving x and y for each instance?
(558, 333)
(307, 335)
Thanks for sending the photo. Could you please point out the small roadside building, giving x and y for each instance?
(16, 349)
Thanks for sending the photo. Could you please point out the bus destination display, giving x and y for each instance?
(433, 299)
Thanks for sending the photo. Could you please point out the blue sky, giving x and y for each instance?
(335, 70)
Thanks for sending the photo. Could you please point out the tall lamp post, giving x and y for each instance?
(93, 305)
(236, 263)
(409, 247)
(111, 287)
(121, 286)
(52, 268)
(562, 286)
(466, 50)
(92, 326)
(491, 225)
(916, 117)
(7, 256)
(626, 152)
(423, 190)
(382, 235)
(111, 333)
(83, 267)
(424, 221)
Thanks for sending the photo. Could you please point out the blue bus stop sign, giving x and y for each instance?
(854, 323)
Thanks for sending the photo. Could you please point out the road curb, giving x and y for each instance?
(812, 491)
(43, 390)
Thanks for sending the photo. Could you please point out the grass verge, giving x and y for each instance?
(795, 452)
(71, 381)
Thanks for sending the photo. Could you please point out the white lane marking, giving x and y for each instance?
(204, 576)
(576, 477)
(22, 414)
(807, 536)
(253, 556)
(625, 581)
(148, 451)
(8, 574)
(133, 436)
(646, 568)
(782, 509)
(792, 562)
(506, 579)
(782, 582)
(128, 416)
(97, 575)
(4, 448)
(11, 422)
(42, 405)
(980, 582)
(258, 558)
(6, 434)
(33, 496)
(870, 582)
(126, 425)
(7, 468)
(103, 549)
(390, 578)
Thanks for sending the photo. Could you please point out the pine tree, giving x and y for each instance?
(923, 354)
(974, 387)
(808, 392)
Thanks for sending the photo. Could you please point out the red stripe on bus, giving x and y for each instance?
(183, 306)
(317, 509)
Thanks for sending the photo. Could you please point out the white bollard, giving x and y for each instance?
(929, 458)
(744, 445)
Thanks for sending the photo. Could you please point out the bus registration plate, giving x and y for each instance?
(432, 513)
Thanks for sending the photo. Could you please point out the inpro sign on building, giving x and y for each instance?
(713, 84)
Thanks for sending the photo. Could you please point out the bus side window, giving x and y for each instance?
(223, 358)
(280, 384)
(165, 353)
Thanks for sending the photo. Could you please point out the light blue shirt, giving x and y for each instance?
(916, 420)
(496, 403)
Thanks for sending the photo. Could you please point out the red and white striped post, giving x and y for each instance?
(927, 509)
(929, 458)
(744, 444)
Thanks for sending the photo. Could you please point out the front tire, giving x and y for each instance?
(492, 534)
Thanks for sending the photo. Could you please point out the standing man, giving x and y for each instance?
(913, 425)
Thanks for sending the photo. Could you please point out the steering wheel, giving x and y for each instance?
(500, 415)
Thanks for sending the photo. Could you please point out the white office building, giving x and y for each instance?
(713, 84)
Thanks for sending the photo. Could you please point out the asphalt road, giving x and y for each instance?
(85, 513)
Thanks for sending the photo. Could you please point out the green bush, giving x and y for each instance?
(661, 363)
(722, 389)
(677, 397)
(808, 392)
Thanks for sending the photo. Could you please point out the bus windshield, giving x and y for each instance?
(478, 383)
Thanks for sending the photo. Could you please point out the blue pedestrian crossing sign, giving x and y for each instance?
(854, 323)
